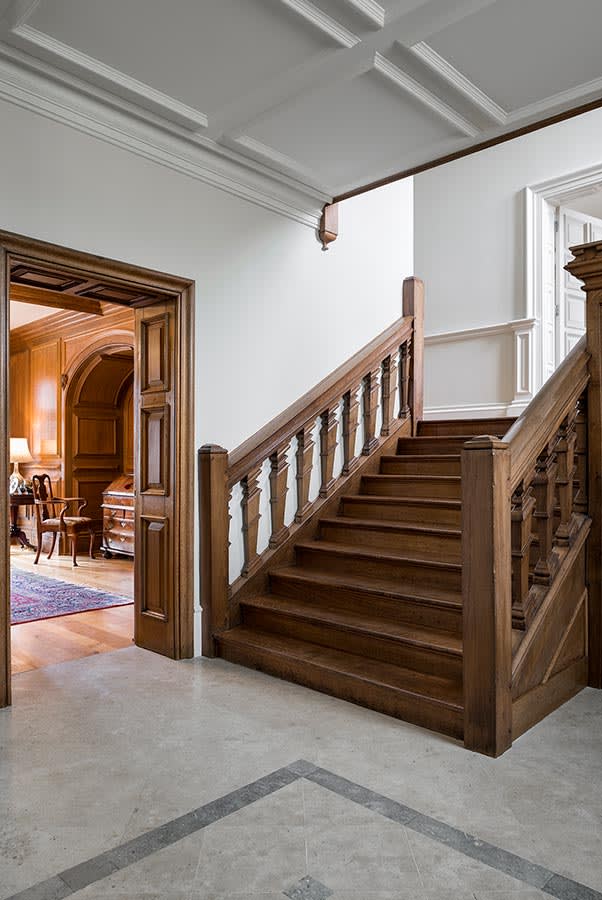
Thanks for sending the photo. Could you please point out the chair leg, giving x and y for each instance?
(38, 550)
(74, 549)
(91, 545)
(52, 543)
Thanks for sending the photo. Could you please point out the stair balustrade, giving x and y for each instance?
(362, 404)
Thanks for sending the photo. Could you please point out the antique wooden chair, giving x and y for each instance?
(52, 518)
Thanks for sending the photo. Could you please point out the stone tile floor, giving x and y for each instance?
(98, 752)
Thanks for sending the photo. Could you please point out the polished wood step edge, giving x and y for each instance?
(390, 525)
(351, 551)
(397, 500)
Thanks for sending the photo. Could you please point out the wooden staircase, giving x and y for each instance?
(371, 611)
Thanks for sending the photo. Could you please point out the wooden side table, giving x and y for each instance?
(16, 501)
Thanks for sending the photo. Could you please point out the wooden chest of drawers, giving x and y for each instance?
(118, 516)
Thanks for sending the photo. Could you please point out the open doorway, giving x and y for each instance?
(97, 397)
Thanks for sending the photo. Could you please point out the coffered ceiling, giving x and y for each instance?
(308, 98)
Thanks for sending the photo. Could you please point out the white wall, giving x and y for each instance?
(274, 314)
(470, 248)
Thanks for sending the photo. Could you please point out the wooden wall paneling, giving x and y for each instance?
(127, 428)
(46, 421)
(5, 668)
(20, 400)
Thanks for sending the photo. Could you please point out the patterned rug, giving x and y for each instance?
(35, 597)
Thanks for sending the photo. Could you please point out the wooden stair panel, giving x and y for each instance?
(439, 610)
(411, 647)
(445, 487)
(425, 464)
(441, 427)
(426, 700)
(325, 556)
(416, 541)
(409, 510)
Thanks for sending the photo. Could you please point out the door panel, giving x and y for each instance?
(156, 626)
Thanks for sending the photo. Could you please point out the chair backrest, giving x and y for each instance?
(42, 490)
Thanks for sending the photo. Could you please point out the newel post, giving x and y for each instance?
(587, 266)
(487, 595)
(214, 528)
(413, 305)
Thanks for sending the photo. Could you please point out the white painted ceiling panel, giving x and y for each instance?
(522, 51)
(204, 54)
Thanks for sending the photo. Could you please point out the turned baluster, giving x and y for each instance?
(404, 380)
(544, 485)
(523, 504)
(370, 406)
(388, 391)
(328, 445)
(304, 466)
(251, 495)
(565, 452)
(580, 479)
(278, 492)
(351, 407)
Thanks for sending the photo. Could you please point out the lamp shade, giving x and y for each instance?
(19, 450)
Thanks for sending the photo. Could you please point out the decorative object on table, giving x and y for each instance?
(52, 518)
(34, 597)
(118, 517)
(19, 452)
(25, 499)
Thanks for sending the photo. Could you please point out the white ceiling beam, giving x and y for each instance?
(322, 22)
(459, 81)
(407, 84)
(565, 99)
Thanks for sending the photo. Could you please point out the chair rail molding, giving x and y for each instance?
(523, 333)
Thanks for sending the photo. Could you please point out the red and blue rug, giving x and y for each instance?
(35, 597)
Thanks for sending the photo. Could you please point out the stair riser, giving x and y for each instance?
(430, 445)
(426, 660)
(419, 711)
(408, 612)
(407, 575)
(390, 486)
(401, 466)
(402, 512)
(415, 545)
(497, 427)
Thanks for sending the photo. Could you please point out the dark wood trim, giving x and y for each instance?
(413, 305)
(269, 438)
(468, 151)
(328, 230)
(157, 287)
(214, 528)
(22, 293)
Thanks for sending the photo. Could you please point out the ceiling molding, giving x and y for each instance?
(368, 8)
(407, 84)
(263, 152)
(324, 23)
(66, 54)
(19, 11)
(580, 93)
(462, 84)
(23, 86)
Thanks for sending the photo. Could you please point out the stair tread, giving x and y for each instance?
(443, 597)
(370, 625)
(395, 500)
(418, 477)
(405, 681)
(395, 457)
(352, 550)
(389, 525)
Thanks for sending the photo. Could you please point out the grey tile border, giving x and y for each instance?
(72, 880)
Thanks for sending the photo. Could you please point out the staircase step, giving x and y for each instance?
(497, 426)
(421, 464)
(432, 445)
(427, 700)
(409, 646)
(439, 609)
(410, 510)
(326, 556)
(447, 487)
(416, 541)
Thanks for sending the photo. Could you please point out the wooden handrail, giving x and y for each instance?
(266, 441)
(546, 411)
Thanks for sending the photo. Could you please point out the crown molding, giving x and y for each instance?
(370, 10)
(263, 152)
(192, 118)
(65, 99)
(402, 80)
(324, 23)
(459, 81)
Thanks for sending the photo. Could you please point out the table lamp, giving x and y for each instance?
(19, 452)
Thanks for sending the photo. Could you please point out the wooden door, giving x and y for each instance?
(156, 515)
(573, 228)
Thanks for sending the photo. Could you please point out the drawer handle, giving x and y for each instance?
(122, 538)
(124, 524)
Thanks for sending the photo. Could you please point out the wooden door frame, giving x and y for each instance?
(181, 290)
